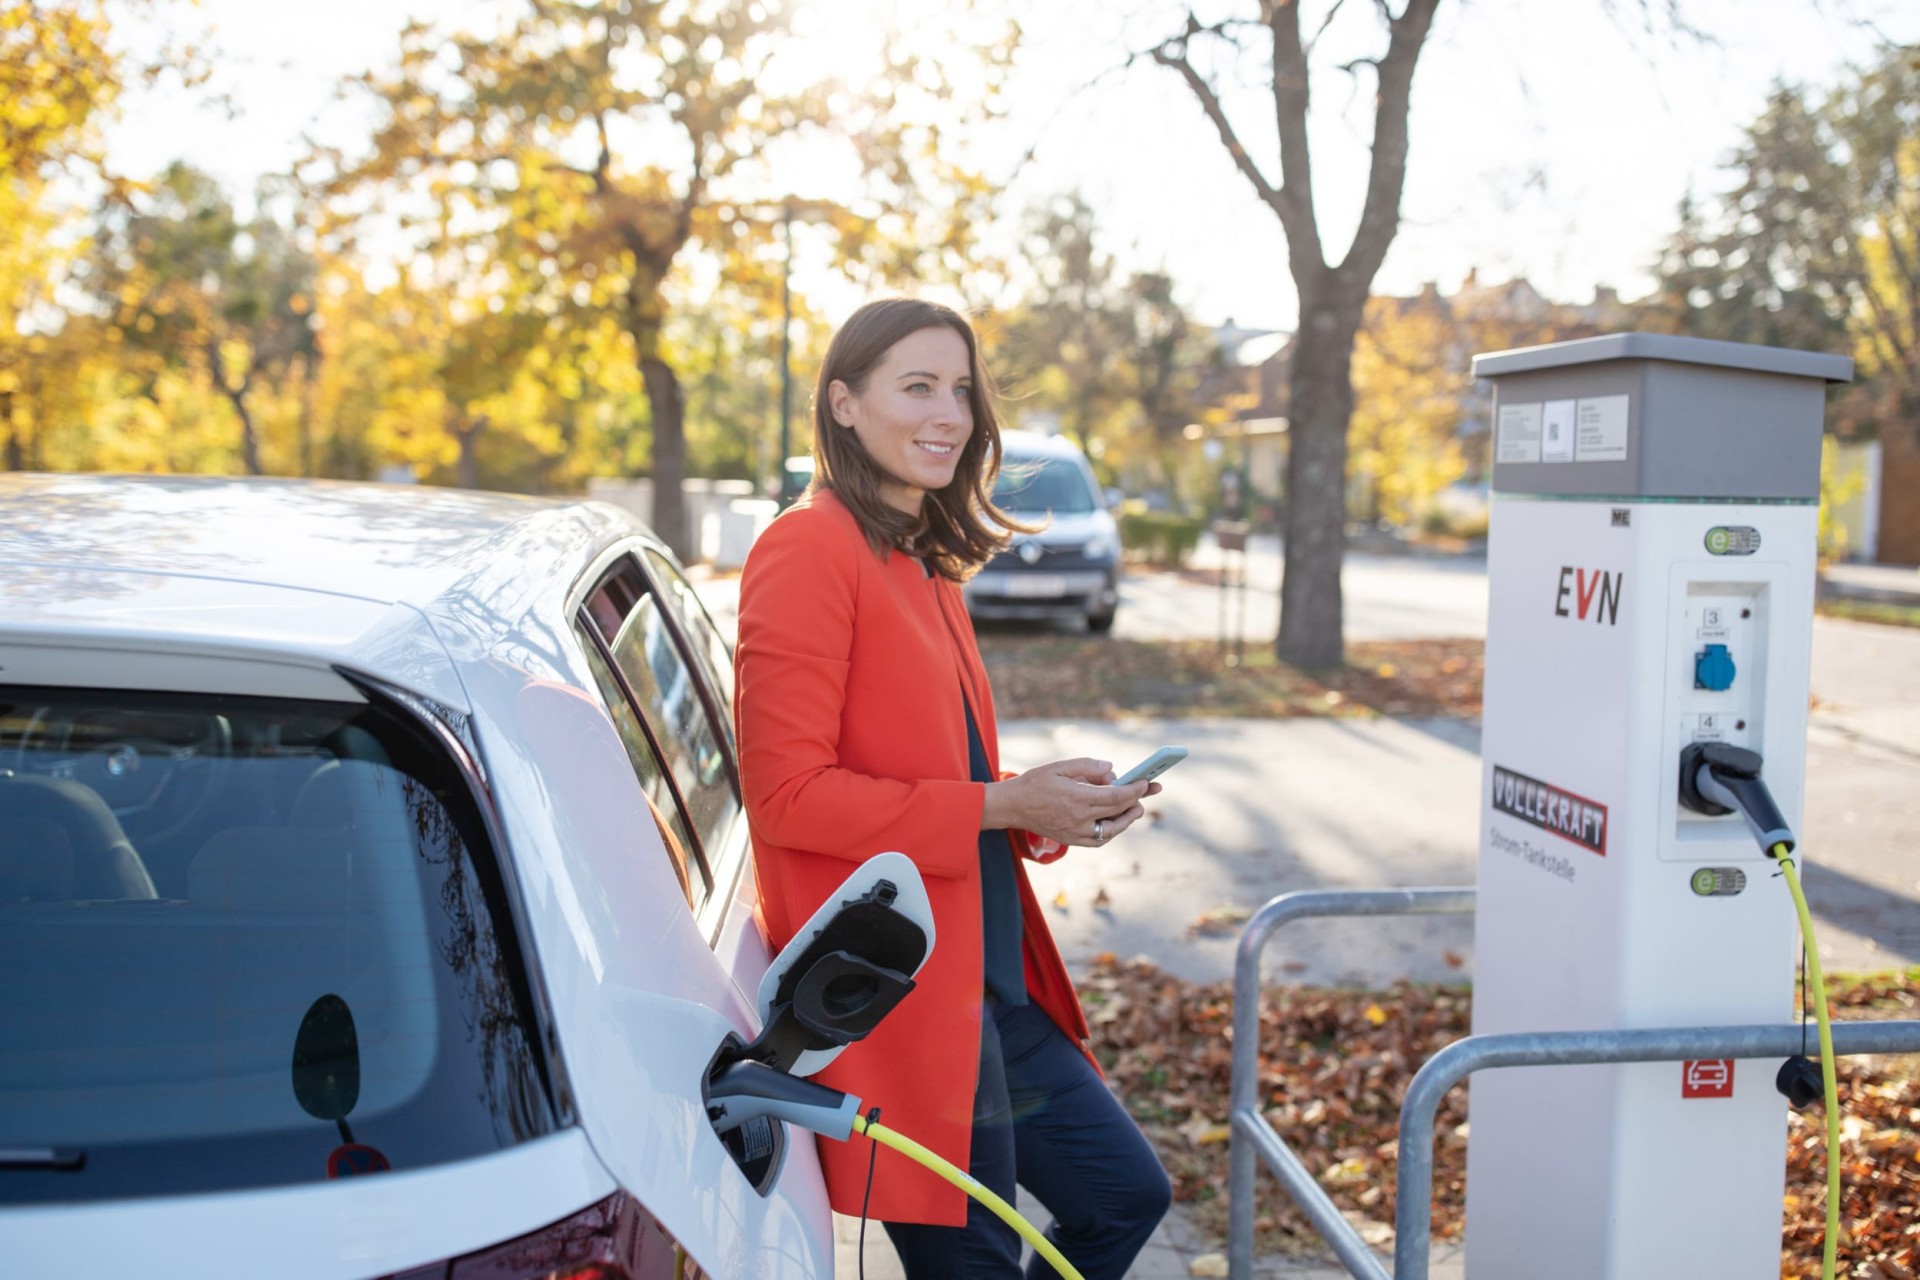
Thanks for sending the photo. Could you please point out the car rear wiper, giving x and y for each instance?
(60, 1159)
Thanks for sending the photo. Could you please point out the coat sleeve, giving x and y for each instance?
(798, 610)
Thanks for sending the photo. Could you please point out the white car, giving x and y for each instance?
(1070, 569)
(374, 896)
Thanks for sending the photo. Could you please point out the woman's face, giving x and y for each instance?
(914, 416)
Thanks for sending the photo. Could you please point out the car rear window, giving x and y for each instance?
(1043, 484)
(246, 942)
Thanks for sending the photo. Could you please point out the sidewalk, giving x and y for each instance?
(1883, 583)
(1170, 1255)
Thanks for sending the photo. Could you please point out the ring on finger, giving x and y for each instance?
(1099, 830)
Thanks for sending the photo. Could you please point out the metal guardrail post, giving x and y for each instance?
(1413, 1210)
(1251, 1138)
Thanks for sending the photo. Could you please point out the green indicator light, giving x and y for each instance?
(1703, 882)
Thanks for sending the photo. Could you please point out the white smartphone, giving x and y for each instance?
(1153, 766)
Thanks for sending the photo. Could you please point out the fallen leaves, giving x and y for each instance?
(1335, 1065)
(1063, 676)
(1220, 922)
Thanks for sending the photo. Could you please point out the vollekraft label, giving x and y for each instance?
(1569, 816)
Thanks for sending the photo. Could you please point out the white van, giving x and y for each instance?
(1070, 569)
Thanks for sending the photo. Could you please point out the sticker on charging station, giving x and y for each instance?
(1600, 427)
(1706, 1078)
(1556, 430)
(1518, 433)
(1570, 816)
(1732, 540)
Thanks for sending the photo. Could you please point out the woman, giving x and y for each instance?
(866, 724)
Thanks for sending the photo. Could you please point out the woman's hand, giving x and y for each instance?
(1072, 801)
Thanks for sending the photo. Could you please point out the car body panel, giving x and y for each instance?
(345, 1230)
(469, 601)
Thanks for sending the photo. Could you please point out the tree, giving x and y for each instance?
(1112, 355)
(191, 285)
(587, 143)
(1817, 244)
(61, 74)
(1332, 294)
(1411, 382)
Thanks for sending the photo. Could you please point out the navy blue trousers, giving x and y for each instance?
(1043, 1118)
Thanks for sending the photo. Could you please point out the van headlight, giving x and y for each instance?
(1098, 547)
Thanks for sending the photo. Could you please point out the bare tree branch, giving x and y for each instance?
(1292, 97)
(1380, 215)
(1166, 56)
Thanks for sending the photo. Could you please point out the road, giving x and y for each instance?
(1384, 597)
(1268, 806)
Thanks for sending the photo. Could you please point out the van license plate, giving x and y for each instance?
(1037, 585)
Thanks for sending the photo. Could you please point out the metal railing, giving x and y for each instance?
(1253, 1137)
(1413, 1211)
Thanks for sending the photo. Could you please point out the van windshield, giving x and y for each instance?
(1053, 485)
(246, 942)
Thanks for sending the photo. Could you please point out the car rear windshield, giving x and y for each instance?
(246, 942)
(1043, 484)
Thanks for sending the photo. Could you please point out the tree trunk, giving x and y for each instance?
(466, 467)
(1321, 404)
(669, 454)
(249, 438)
(16, 459)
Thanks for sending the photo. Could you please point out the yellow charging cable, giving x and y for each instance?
(966, 1182)
(1828, 1082)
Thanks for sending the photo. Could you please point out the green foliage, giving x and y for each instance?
(1159, 537)
(1113, 357)
(562, 168)
(191, 288)
(1817, 243)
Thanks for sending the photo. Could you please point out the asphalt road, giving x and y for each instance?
(1263, 807)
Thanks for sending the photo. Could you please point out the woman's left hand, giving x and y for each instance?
(1067, 801)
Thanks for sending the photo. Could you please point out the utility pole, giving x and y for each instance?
(787, 494)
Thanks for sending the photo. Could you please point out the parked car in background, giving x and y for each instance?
(374, 894)
(1070, 568)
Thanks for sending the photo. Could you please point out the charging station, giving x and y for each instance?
(1651, 565)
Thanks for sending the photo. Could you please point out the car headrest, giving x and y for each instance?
(62, 842)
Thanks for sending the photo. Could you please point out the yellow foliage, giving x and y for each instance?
(1410, 383)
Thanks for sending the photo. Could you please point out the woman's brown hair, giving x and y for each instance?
(958, 528)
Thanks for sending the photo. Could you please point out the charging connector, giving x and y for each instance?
(1718, 779)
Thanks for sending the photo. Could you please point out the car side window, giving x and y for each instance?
(680, 708)
(709, 650)
(695, 880)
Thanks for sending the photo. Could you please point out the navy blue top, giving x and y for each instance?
(1006, 974)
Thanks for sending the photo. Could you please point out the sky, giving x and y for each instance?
(1550, 139)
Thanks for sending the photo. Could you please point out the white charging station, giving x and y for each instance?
(1651, 564)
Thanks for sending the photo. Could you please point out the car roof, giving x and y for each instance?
(307, 567)
(1031, 444)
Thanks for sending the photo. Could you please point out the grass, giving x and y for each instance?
(1884, 613)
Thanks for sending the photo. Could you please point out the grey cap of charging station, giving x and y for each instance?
(1655, 416)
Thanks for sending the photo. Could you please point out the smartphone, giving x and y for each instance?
(1153, 766)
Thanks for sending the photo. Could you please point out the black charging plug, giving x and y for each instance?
(1718, 778)
(1799, 1082)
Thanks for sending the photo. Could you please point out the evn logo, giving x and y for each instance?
(1590, 591)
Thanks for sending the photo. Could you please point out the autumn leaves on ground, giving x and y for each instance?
(1078, 677)
(1335, 1063)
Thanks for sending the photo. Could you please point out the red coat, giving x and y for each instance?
(853, 741)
